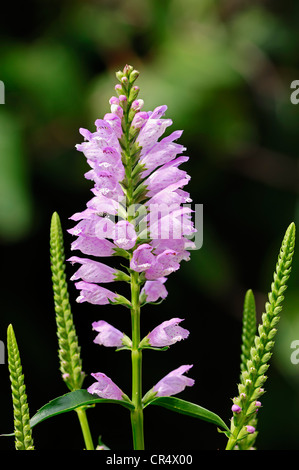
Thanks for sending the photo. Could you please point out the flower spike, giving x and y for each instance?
(23, 433)
(136, 212)
(253, 375)
(69, 349)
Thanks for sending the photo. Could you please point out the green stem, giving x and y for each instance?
(137, 413)
(81, 412)
(129, 152)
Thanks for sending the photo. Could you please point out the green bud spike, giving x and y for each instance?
(249, 328)
(69, 350)
(22, 430)
(252, 378)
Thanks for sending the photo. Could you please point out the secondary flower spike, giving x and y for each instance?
(138, 206)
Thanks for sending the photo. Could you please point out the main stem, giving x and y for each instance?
(136, 354)
(85, 428)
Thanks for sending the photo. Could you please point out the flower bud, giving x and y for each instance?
(134, 93)
(250, 429)
(134, 75)
(236, 409)
(119, 75)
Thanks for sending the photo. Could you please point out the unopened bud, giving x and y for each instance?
(119, 75)
(250, 429)
(137, 105)
(118, 88)
(236, 409)
(128, 69)
(134, 93)
(134, 75)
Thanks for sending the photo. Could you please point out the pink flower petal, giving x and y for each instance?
(174, 382)
(104, 387)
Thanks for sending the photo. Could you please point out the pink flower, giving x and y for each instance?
(149, 173)
(154, 290)
(108, 335)
(92, 271)
(105, 387)
(124, 235)
(163, 264)
(94, 246)
(174, 382)
(167, 333)
(163, 177)
(94, 294)
(142, 258)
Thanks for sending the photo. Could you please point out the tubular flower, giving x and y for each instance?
(104, 387)
(174, 382)
(153, 290)
(136, 210)
(166, 334)
(109, 336)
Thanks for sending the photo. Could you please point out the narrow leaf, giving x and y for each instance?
(69, 402)
(190, 409)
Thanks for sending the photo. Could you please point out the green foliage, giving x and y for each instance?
(70, 402)
(81, 398)
(22, 428)
(253, 376)
(69, 350)
(15, 197)
(189, 409)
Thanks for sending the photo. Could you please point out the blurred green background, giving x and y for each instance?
(224, 69)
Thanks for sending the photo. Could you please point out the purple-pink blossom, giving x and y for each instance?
(104, 387)
(92, 271)
(156, 241)
(107, 334)
(154, 290)
(143, 258)
(174, 382)
(94, 294)
(167, 333)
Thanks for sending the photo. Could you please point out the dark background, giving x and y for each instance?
(224, 69)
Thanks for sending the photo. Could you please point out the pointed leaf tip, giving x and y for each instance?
(190, 409)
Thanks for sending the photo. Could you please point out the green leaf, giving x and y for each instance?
(69, 402)
(189, 409)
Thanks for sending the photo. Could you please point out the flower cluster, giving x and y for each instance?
(139, 211)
